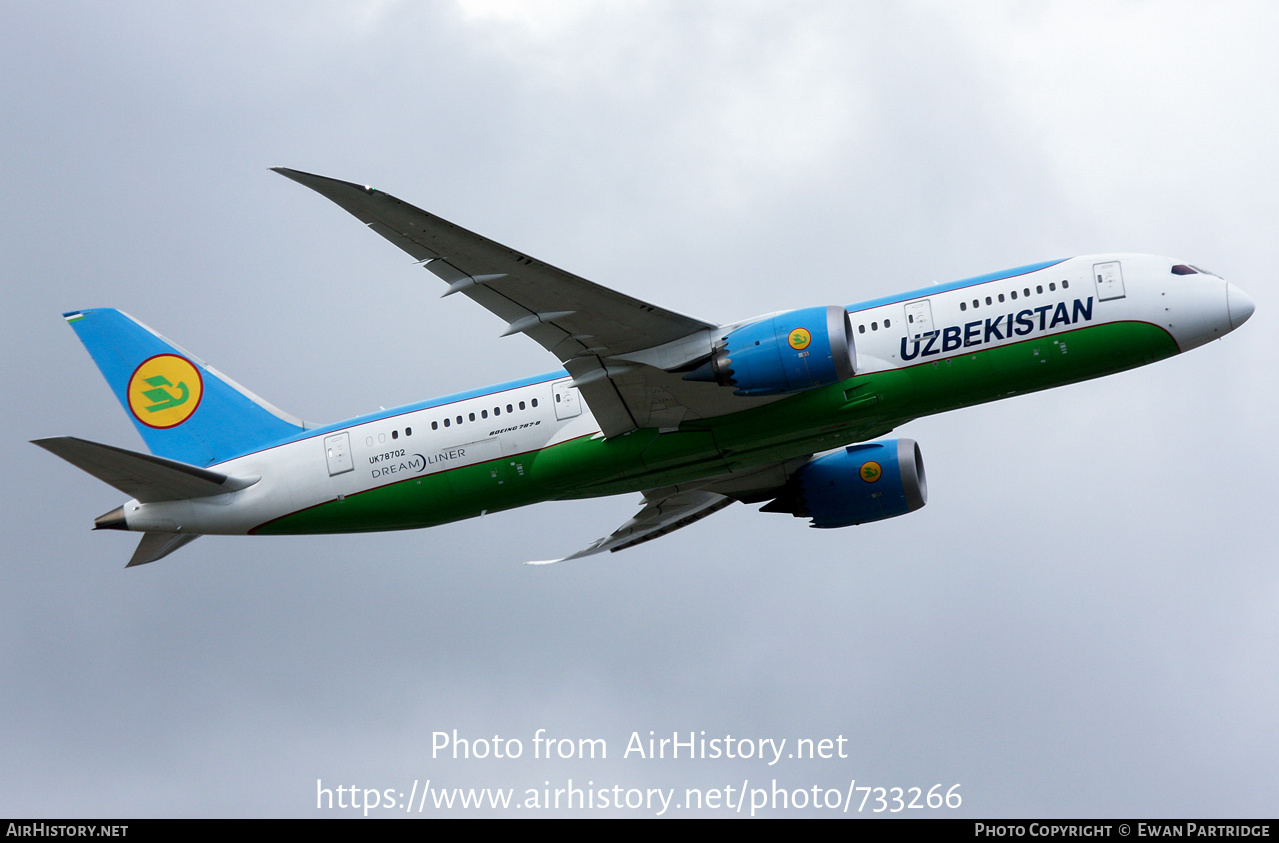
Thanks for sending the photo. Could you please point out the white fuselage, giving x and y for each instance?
(331, 463)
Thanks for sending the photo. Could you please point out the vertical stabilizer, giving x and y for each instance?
(184, 409)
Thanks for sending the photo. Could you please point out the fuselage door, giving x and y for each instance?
(919, 319)
(337, 450)
(568, 402)
(1110, 280)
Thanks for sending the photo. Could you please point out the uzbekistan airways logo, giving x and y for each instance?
(870, 471)
(165, 390)
(799, 339)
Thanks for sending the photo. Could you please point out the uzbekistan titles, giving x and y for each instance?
(995, 329)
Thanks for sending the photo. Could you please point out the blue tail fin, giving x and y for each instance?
(184, 409)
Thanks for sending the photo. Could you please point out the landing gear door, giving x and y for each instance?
(337, 450)
(1110, 280)
(919, 319)
(568, 402)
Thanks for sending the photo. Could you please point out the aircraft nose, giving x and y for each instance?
(1239, 306)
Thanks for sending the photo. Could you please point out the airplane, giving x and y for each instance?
(786, 409)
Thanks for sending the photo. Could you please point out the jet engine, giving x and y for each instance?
(861, 483)
(782, 353)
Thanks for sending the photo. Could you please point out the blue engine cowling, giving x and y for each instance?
(785, 352)
(862, 483)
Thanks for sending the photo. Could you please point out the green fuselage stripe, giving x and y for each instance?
(865, 407)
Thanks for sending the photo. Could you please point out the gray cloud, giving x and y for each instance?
(1080, 622)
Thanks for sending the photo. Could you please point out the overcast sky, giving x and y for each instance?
(1082, 621)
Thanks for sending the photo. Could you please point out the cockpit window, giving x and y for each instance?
(1182, 269)
(1205, 271)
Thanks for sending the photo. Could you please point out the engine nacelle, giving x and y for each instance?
(785, 352)
(862, 483)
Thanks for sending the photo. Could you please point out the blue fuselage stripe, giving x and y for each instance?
(925, 292)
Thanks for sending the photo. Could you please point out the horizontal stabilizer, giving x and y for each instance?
(159, 545)
(142, 476)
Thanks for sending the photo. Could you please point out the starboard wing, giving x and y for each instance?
(626, 356)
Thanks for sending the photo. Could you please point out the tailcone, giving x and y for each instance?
(113, 520)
